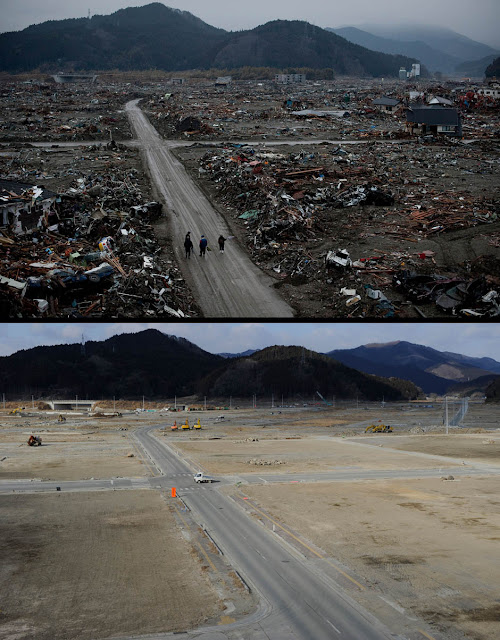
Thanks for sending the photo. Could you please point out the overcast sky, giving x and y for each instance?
(470, 339)
(477, 19)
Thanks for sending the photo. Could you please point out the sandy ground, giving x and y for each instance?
(297, 456)
(87, 565)
(429, 545)
(68, 455)
(471, 447)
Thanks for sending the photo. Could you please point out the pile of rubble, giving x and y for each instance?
(88, 251)
(58, 112)
(265, 463)
(287, 203)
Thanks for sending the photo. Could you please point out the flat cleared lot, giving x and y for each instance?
(299, 456)
(430, 546)
(473, 447)
(68, 455)
(88, 565)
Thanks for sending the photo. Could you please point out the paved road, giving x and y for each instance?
(182, 478)
(37, 486)
(224, 285)
(301, 603)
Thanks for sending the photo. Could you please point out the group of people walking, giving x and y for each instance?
(188, 245)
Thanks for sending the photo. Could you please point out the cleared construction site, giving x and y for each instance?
(94, 545)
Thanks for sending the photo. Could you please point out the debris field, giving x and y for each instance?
(350, 213)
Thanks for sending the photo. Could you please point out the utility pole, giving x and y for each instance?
(446, 413)
(175, 403)
(272, 401)
(114, 405)
(32, 403)
(205, 403)
(76, 403)
(143, 403)
(4, 400)
(282, 401)
(230, 402)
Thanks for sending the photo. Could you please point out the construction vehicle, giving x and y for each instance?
(17, 411)
(197, 425)
(201, 477)
(186, 425)
(174, 426)
(35, 441)
(379, 428)
(61, 418)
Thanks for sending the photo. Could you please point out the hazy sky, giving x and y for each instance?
(477, 19)
(471, 339)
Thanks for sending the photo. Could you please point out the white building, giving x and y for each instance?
(289, 78)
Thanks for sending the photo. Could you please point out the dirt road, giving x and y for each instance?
(225, 285)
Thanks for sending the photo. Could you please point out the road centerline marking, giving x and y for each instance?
(332, 625)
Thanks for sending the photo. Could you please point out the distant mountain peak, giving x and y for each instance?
(375, 345)
(434, 371)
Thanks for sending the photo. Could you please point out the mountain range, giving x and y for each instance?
(157, 37)
(433, 371)
(437, 48)
(159, 366)
(156, 365)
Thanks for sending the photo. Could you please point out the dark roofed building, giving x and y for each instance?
(388, 105)
(434, 120)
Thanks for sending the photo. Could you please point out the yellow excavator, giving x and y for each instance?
(17, 411)
(197, 425)
(379, 428)
(186, 425)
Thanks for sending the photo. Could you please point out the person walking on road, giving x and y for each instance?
(188, 245)
(203, 246)
(221, 243)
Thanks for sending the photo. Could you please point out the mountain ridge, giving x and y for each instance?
(432, 370)
(157, 365)
(439, 49)
(158, 37)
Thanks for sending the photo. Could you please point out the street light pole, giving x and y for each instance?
(446, 413)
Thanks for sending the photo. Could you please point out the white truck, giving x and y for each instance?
(201, 477)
